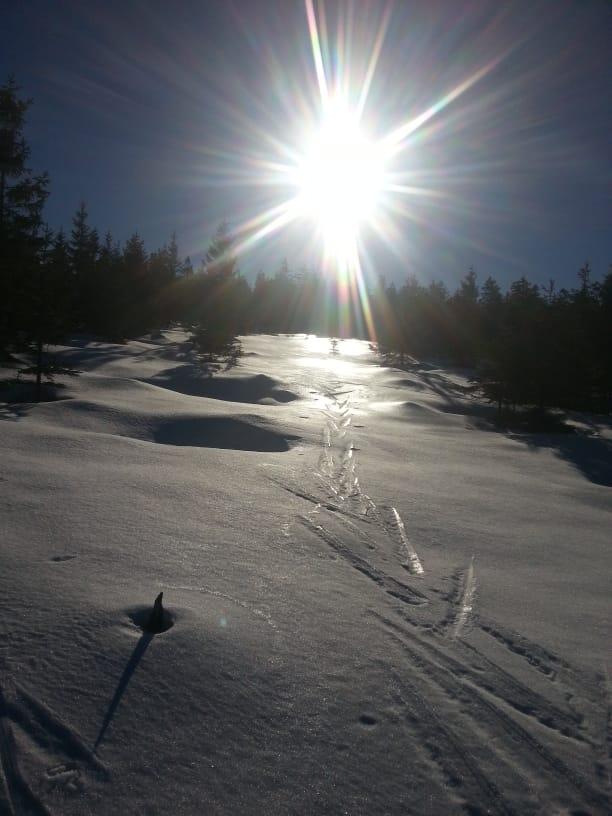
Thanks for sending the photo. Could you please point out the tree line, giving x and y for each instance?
(530, 345)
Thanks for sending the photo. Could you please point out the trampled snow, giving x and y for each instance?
(380, 605)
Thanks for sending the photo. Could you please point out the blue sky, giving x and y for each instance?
(159, 116)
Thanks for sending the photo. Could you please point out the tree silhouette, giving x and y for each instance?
(218, 297)
(22, 198)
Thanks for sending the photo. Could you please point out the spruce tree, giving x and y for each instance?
(220, 259)
(465, 321)
(109, 305)
(219, 299)
(22, 198)
(84, 248)
(50, 309)
(136, 285)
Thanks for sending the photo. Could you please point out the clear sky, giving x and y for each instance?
(171, 116)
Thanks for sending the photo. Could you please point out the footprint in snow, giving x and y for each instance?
(368, 720)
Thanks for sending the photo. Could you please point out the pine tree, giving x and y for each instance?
(107, 316)
(585, 278)
(491, 310)
(465, 321)
(165, 269)
(220, 298)
(220, 259)
(468, 288)
(50, 309)
(136, 285)
(519, 353)
(186, 268)
(84, 248)
(22, 198)
(490, 295)
(604, 342)
(13, 148)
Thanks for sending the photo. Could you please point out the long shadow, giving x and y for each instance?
(17, 398)
(222, 432)
(589, 454)
(449, 390)
(90, 354)
(592, 456)
(132, 664)
(456, 398)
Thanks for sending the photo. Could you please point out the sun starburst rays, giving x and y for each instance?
(330, 175)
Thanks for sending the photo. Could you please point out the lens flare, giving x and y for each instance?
(334, 175)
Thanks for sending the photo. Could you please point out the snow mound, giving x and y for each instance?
(186, 379)
(238, 432)
(427, 413)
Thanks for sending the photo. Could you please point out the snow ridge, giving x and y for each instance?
(412, 562)
(466, 603)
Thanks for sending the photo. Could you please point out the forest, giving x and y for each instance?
(532, 345)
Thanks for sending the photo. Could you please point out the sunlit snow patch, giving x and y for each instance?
(466, 604)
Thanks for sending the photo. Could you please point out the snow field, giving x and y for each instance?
(283, 507)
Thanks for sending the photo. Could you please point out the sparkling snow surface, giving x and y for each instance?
(379, 604)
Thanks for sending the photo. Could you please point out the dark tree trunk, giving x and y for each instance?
(2, 189)
(39, 368)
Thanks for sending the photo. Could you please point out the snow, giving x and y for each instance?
(282, 507)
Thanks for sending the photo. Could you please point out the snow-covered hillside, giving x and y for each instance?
(379, 604)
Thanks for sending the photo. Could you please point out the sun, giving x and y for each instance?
(340, 177)
(332, 173)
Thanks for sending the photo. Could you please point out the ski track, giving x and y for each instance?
(462, 772)
(18, 795)
(337, 473)
(475, 720)
(518, 747)
(69, 759)
(534, 654)
(390, 585)
(467, 662)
